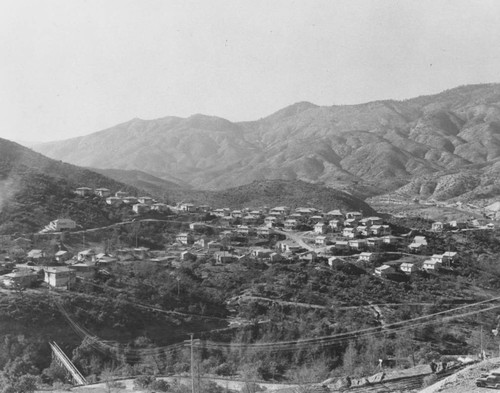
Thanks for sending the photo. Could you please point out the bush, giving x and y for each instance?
(159, 385)
(224, 369)
(143, 382)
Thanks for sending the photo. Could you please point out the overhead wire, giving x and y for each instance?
(322, 341)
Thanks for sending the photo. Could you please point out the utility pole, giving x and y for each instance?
(482, 342)
(192, 364)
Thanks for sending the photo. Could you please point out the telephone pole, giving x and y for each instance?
(192, 364)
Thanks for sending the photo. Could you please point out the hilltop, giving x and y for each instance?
(368, 148)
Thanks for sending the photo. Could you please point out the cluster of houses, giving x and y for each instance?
(434, 264)
(140, 205)
(326, 235)
(476, 223)
(83, 265)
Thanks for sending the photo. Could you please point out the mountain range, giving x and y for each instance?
(366, 149)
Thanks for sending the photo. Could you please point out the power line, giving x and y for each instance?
(321, 341)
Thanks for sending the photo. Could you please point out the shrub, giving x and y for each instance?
(159, 385)
(143, 382)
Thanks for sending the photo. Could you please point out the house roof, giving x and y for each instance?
(384, 267)
(35, 254)
(87, 252)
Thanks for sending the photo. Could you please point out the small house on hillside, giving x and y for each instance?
(59, 276)
(141, 208)
(358, 244)
(261, 253)
(335, 259)
(341, 245)
(280, 211)
(121, 194)
(351, 222)
(392, 240)
(450, 256)
(114, 201)
(24, 278)
(62, 256)
(159, 207)
(363, 230)
(368, 257)
(145, 200)
(129, 200)
(102, 192)
(437, 226)
(354, 215)
(432, 265)
(374, 242)
(384, 270)
(322, 240)
(35, 255)
(88, 255)
(335, 224)
(275, 257)
(187, 207)
(291, 224)
(320, 228)
(408, 267)
(83, 191)
(334, 215)
(84, 270)
(223, 257)
(196, 226)
(263, 231)
(62, 224)
(349, 232)
(184, 238)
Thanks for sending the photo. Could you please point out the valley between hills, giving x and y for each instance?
(345, 248)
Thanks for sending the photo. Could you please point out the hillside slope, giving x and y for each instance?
(379, 145)
(35, 190)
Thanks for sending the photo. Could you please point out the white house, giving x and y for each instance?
(335, 224)
(159, 207)
(184, 238)
(59, 276)
(145, 200)
(368, 257)
(83, 191)
(354, 215)
(384, 270)
(291, 224)
(430, 264)
(349, 232)
(358, 244)
(437, 226)
(141, 208)
(408, 267)
(320, 228)
(102, 192)
(114, 201)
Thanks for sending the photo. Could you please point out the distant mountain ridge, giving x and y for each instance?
(368, 149)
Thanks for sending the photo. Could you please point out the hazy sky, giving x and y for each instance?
(72, 67)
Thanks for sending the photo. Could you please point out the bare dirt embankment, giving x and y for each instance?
(464, 381)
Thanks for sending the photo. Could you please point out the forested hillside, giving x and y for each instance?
(35, 190)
